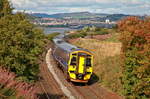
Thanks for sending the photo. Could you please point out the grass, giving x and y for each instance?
(98, 31)
(52, 35)
(107, 61)
(77, 35)
(113, 38)
(102, 31)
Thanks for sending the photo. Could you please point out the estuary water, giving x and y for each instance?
(49, 30)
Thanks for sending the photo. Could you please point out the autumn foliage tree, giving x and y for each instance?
(135, 36)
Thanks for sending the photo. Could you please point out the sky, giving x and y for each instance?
(136, 7)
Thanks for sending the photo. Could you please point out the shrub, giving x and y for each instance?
(135, 36)
(12, 89)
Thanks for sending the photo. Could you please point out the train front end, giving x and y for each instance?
(80, 66)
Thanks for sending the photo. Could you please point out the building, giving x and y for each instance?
(107, 21)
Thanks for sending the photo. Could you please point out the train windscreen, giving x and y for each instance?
(88, 62)
(73, 61)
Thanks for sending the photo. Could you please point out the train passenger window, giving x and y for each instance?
(73, 61)
(88, 61)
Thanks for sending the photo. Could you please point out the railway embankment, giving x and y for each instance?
(61, 88)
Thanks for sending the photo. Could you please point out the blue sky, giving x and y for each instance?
(139, 7)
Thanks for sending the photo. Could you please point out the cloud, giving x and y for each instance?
(99, 6)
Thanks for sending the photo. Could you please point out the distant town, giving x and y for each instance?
(77, 20)
(72, 23)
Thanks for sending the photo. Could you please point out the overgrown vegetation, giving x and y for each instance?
(20, 44)
(135, 37)
(12, 89)
(107, 61)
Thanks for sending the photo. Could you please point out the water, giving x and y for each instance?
(49, 30)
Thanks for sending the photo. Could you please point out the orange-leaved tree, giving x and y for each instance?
(135, 36)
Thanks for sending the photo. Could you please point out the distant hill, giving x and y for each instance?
(83, 15)
(70, 15)
(114, 17)
(41, 15)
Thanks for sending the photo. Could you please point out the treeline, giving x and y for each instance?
(21, 43)
(135, 36)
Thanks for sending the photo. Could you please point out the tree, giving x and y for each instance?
(135, 36)
(20, 46)
(21, 43)
(85, 29)
(5, 8)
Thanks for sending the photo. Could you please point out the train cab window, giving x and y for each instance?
(59, 42)
(88, 61)
(73, 61)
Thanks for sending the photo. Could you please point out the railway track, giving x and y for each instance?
(86, 91)
(44, 90)
(48, 84)
(51, 79)
(95, 92)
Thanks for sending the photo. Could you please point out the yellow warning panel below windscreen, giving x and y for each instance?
(81, 64)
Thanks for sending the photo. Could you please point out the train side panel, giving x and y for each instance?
(62, 57)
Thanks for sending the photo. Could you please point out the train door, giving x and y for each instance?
(81, 64)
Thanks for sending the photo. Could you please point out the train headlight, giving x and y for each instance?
(80, 76)
(72, 75)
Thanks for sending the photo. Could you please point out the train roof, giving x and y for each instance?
(66, 46)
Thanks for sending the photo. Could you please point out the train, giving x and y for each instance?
(76, 62)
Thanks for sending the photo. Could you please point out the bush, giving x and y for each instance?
(12, 89)
(135, 36)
